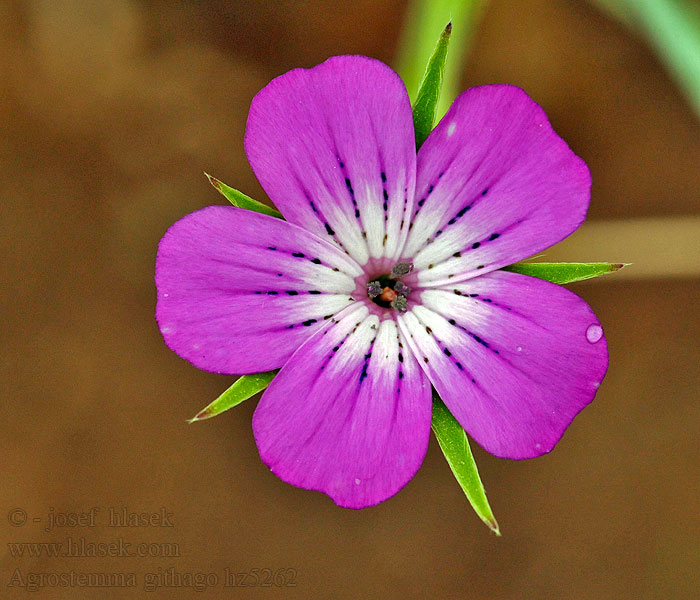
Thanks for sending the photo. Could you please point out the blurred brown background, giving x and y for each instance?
(109, 112)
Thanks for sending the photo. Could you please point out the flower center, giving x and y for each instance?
(388, 291)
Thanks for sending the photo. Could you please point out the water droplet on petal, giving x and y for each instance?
(594, 333)
(519, 348)
(358, 481)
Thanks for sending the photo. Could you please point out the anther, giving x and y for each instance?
(402, 289)
(401, 269)
(400, 303)
(374, 289)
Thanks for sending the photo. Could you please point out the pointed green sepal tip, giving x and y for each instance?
(493, 526)
(425, 106)
(218, 185)
(455, 446)
(565, 272)
(243, 388)
(240, 200)
(206, 413)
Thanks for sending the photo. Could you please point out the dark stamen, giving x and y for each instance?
(388, 292)
(374, 289)
(400, 303)
(402, 289)
(401, 269)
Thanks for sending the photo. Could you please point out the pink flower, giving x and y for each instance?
(384, 279)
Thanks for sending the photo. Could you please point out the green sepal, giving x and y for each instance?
(565, 272)
(425, 106)
(455, 446)
(245, 387)
(240, 200)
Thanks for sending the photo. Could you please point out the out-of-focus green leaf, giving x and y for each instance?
(455, 446)
(429, 93)
(564, 272)
(673, 29)
(244, 388)
(424, 20)
(240, 200)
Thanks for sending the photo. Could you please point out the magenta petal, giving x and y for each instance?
(495, 185)
(514, 358)
(333, 147)
(239, 292)
(349, 414)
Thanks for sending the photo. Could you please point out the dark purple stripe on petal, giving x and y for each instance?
(230, 302)
(504, 166)
(521, 344)
(331, 420)
(326, 168)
